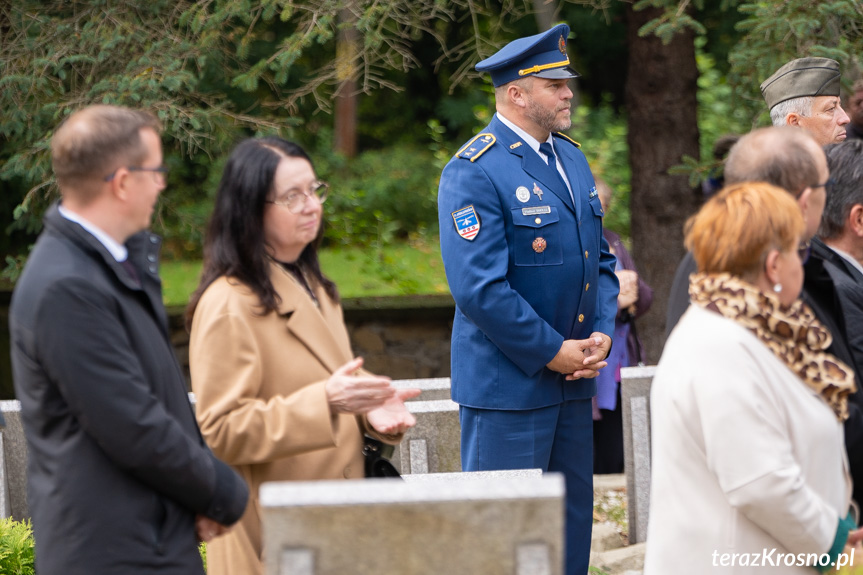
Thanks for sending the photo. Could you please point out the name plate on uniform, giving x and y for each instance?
(536, 211)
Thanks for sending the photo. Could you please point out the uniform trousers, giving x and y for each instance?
(556, 438)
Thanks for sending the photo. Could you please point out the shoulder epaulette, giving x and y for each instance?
(567, 138)
(476, 147)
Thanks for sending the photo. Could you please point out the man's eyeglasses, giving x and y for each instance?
(826, 185)
(803, 250)
(160, 173)
(297, 200)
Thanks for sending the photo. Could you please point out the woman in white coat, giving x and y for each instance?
(748, 464)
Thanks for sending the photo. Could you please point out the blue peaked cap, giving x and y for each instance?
(542, 55)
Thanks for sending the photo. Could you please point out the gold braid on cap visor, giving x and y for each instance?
(540, 68)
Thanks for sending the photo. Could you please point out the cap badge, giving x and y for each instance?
(561, 44)
(539, 245)
(523, 194)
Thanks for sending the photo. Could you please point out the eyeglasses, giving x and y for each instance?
(826, 185)
(296, 201)
(160, 173)
(803, 251)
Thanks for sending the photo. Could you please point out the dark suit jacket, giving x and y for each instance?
(678, 298)
(117, 468)
(848, 283)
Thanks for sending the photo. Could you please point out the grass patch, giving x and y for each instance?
(412, 268)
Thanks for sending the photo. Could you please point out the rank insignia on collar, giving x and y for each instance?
(514, 146)
(466, 222)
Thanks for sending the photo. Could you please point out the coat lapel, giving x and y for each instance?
(313, 327)
(566, 153)
(531, 162)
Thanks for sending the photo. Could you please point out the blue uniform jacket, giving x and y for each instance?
(532, 274)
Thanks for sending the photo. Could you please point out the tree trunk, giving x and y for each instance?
(347, 50)
(663, 126)
(545, 11)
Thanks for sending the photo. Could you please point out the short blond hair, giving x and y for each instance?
(94, 142)
(736, 228)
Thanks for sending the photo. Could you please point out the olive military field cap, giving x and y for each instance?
(542, 55)
(802, 77)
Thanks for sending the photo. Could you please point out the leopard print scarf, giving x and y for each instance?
(792, 333)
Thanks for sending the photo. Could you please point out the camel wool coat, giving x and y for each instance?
(261, 404)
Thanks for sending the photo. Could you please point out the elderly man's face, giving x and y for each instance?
(826, 121)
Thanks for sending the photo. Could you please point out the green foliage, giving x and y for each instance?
(217, 71)
(16, 547)
(676, 17)
(719, 114)
(776, 32)
(409, 267)
(17, 556)
(602, 135)
(382, 195)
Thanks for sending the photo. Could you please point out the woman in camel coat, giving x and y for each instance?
(279, 394)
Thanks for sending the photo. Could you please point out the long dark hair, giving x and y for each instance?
(234, 245)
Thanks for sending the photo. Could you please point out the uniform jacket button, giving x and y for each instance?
(580, 317)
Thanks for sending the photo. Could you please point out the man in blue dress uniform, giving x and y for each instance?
(533, 282)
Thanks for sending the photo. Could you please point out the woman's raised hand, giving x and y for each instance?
(393, 417)
(349, 392)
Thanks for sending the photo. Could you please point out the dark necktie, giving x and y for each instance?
(546, 149)
(133, 273)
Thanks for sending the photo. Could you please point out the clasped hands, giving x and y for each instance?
(581, 358)
(628, 295)
(352, 391)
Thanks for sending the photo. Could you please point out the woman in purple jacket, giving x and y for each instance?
(634, 300)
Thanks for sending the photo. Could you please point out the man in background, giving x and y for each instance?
(842, 233)
(120, 480)
(854, 129)
(804, 93)
(791, 159)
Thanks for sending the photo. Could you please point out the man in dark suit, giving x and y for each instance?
(533, 282)
(842, 234)
(792, 159)
(119, 479)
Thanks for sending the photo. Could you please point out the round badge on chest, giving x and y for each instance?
(522, 194)
(539, 245)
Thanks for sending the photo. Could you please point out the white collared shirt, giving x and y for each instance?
(534, 144)
(119, 251)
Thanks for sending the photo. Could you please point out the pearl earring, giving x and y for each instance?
(777, 288)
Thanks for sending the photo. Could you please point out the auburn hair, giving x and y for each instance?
(735, 229)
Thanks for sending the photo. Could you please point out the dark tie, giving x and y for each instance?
(133, 273)
(546, 149)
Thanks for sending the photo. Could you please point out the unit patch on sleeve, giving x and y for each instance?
(466, 222)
